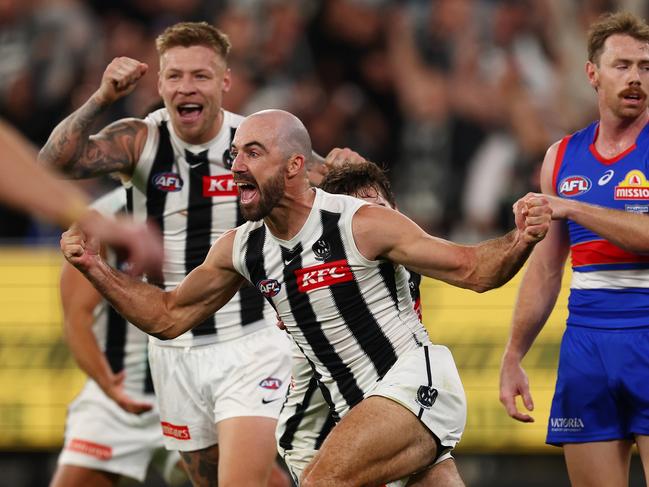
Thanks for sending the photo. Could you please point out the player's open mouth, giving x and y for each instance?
(247, 192)
(633, 96)
(190, 112)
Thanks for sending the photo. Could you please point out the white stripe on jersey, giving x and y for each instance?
(218, 190)
(611, 279)
(335, 303)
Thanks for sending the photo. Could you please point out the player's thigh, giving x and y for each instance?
(377, 441)
(599, 463)
(247, 450)
(74, 476)
(202, 466)
(443, 474)
(643, 448)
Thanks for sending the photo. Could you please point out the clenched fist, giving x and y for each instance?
(120, 78)
(533, 215)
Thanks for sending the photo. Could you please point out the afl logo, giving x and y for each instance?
(271, 383)
(269, 287)
(167, 181)
(574, 186)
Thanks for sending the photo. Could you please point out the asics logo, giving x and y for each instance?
(606, 177)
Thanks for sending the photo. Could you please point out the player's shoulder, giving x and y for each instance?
(337, 203)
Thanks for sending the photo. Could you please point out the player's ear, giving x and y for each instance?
(593, 74)
(227, 80)
(294, 165)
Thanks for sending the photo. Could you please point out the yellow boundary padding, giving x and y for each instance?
(38, 377)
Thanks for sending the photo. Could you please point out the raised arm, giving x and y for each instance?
(537, 296)
(72, 150)
(162, 314)
(381, 232)
(79, 300)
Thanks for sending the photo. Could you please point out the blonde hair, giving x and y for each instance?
(187, 34)
(624, 23)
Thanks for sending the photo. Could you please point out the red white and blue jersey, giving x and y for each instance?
(610, 286)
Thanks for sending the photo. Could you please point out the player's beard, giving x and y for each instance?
(269, 197)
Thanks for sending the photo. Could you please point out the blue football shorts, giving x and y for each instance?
(602, 390)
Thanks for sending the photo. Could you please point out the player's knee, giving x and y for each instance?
(279, 478)
(319, 478)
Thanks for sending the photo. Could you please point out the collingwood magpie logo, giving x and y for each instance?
(426, 396)
(321, 249)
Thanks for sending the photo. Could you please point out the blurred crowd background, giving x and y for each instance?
(458, 98)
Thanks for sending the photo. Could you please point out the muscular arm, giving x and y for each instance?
(162, 314)
(479, 267)
(117, 147)
(72, 150)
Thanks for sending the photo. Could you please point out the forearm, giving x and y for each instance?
(140, 303)
(87, 354)
(33, 189)
(70, 139)
(629, 231)
(496, 261)
(536, 299)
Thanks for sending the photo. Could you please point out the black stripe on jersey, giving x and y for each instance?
(293, 422)
(199, 225)
(430, 379)
(155, 198)
(115, 340)
(312, 330)
(352, 306)
(387, 271)
(129, 200)
(326, 428)
(252, 301)
(148, 380)
(414, 282)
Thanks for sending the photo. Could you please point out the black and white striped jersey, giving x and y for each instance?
(350, 316)
(189, 192)
(124, 345)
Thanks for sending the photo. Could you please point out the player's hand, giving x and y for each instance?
(339, 156)
(79, 249)
(533, 215)
(119, 79)
(141, 245)
(513, 383)
(115, 390)
(280, 324)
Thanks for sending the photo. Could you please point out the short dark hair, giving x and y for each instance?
(188, 34)
(354, 178)
(609, 24)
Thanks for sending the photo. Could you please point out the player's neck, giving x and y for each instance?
(617, 134)
(289, 216)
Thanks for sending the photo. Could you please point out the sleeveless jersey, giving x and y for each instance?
(610, 286)
(189, 192)
(124, 345)
(350, 316)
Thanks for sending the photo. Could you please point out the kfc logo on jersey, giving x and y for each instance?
(219, 186)
(175, 431)
(574, 186)
(323, 275)
(271, 383)
(634, 186)
(167, 181)
(321, 249)
(269, 287)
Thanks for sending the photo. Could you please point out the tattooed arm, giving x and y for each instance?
(117, 147)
